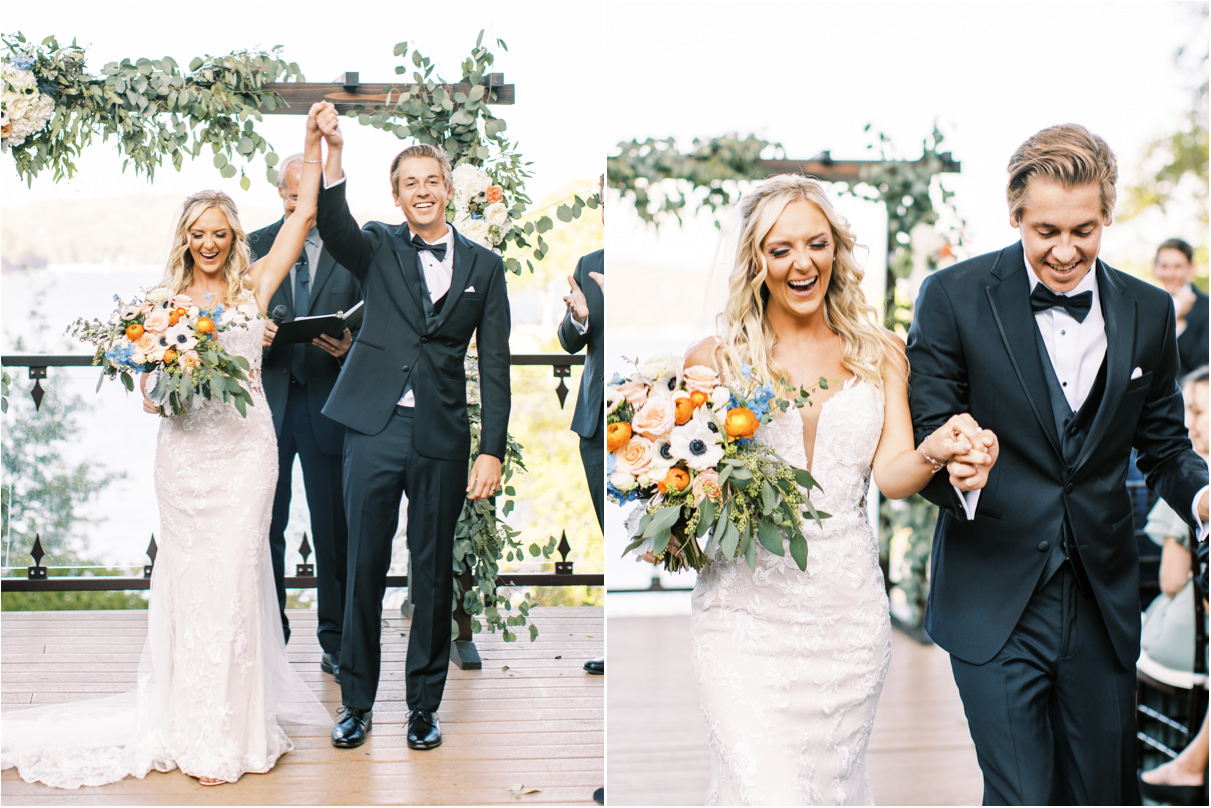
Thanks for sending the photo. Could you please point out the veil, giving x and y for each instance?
(719, 271)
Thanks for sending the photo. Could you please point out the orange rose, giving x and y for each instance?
(495, 193)
(740, 423)
(170, 356)
(698, 398)
(617, 435)
(134, 331)
(676, 480)
(205, 325)
(684, 409)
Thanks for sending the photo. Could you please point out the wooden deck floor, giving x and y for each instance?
(530, 718)
(920, 752)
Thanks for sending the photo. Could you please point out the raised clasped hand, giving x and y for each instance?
(329, 122)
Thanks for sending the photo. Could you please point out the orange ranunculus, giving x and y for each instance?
(684, 409)
(205, 325)
(740, 423)
(134, 331)
(617, 435)
(170, 356)
(698, 398)
(676, 480)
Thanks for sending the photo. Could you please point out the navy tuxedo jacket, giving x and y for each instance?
(333, 289)
(588, 403)
(398, 345)
(972, 348)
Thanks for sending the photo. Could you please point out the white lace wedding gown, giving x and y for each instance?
(789, 663)
(213, 680)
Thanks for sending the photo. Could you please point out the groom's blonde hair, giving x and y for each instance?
(1068, 154)
(745, 335)
(423, 150)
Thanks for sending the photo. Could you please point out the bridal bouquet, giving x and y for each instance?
(167, 335)
(682, 445)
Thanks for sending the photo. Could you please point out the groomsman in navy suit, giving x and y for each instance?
(1035, 573)
(584, 328)
(298, 379)
(402, 395)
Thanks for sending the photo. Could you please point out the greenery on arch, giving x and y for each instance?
(151, 108)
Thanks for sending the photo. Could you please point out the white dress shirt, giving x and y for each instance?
(438, 275)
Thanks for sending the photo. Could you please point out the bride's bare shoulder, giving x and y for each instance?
(703, 353)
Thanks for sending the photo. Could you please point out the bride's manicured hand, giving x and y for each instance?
(955, 438)
(329, 122)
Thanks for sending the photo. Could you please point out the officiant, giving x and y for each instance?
(298, 379)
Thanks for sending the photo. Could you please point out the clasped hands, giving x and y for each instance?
(968, 451)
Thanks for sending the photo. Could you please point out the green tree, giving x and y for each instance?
(43, 496)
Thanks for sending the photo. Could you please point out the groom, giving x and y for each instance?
(1035, 582)
(403, 396)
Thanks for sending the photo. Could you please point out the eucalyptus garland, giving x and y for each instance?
(151, 108)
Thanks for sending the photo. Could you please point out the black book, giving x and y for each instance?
(305, 329)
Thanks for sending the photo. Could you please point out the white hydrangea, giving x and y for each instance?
(497, 214)
(23, 110)
(470, 182)
(475, 229)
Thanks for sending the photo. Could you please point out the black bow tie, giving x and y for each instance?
(438, 250)
(1078, 306)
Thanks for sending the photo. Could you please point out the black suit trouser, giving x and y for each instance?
(379, 470)
(592, 456)
(329, 532)
(1052, 715)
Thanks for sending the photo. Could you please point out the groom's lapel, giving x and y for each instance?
(1009, 296)
(1119, 312)
(409, 274)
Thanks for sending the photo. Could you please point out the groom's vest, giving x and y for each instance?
(1073, 429)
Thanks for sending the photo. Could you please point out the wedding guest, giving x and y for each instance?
(584, 328)
(298, 379)
(1174, 268)
(1181, 781)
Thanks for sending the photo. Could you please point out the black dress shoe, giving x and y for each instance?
(352, 729)
(423, 730)
(1173, 795)
(595, 666)
(331, 663)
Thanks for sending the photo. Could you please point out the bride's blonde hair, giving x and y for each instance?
(745, 335)
(178, 272)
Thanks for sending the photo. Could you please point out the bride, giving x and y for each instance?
(213, 679)
(790, 664)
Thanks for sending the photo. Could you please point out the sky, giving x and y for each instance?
(553, 60)
(812, 75)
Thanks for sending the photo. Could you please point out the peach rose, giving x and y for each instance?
(634, 392)
(636, 457)
(700, 378)
(706, 484)
(181, 301)
(144, 343)
(655, 418)
(495, 193)
(157, 321)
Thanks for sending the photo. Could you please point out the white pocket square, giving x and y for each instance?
(1135, 374)
(472, 289)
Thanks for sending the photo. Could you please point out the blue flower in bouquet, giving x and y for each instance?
(22, 61)
(121, 354)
